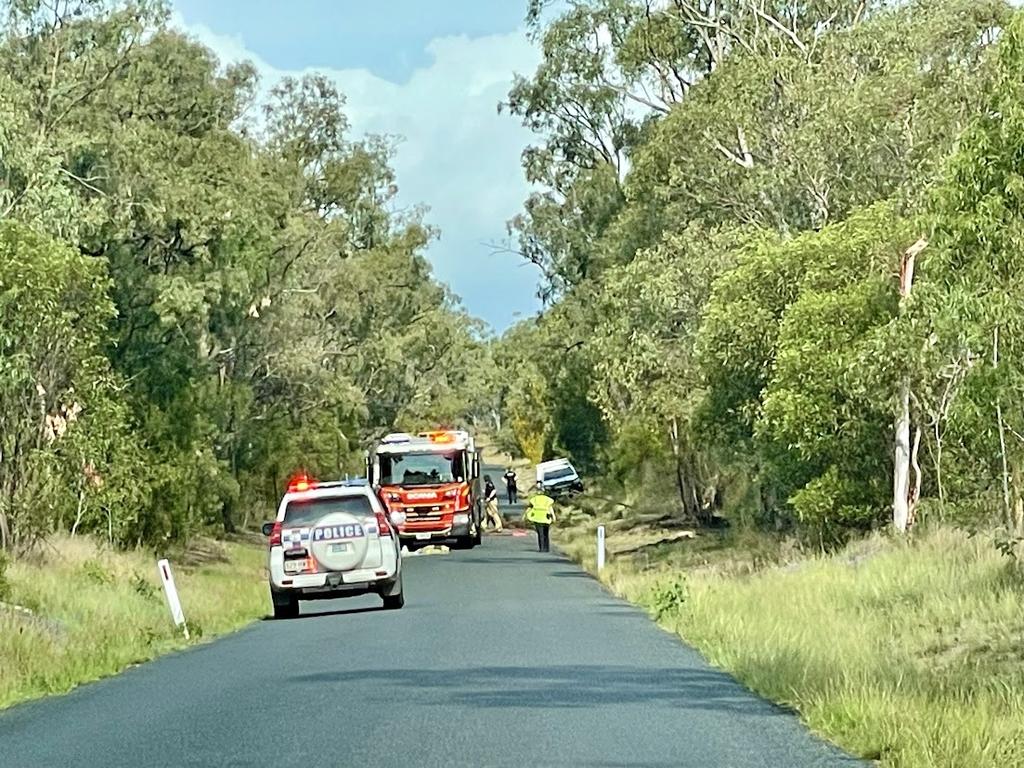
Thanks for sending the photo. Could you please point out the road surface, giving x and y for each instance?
(501, 657)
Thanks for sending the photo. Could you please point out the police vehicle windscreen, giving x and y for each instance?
(421, 469)
(309, 511)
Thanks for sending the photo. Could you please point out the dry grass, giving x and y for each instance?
(96, 611)
(910, 654)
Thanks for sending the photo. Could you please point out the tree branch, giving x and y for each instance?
(621, 90)
(781, 27)
(744, 158)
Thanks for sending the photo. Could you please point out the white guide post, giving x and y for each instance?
(171, 592)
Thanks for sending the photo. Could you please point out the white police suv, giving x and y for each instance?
(332, 540)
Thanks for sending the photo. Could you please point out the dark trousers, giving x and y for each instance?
(543, 536)
(513, 495)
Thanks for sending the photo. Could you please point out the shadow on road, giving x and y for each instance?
(566, 686)
(571, 574)
(525, 558)
(323, 614)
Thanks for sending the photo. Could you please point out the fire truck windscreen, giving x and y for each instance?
(421, 468)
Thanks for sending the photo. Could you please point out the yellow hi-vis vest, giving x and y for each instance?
(541, 509)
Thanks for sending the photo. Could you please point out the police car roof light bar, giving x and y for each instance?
(301, 482)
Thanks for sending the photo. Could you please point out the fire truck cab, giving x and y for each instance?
(430, 483)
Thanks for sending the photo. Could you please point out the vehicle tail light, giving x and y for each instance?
(382, 524)
(275, 535)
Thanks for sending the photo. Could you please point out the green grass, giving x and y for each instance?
(911, 654)
(97, 611)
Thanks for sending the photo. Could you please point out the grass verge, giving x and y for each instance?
(911, 654)
(96, 611)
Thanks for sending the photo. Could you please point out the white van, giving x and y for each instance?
(558, 478)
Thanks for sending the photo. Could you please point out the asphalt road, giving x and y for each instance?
(501, 657)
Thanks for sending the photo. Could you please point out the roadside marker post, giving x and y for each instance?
(171, 592)
(600, 548)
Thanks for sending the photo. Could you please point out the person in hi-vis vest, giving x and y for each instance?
(541, 512)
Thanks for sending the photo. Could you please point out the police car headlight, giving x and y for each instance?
(460, 519)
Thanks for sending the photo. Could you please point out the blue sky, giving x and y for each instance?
(431, 72)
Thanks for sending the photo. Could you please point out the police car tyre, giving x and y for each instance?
(397, 599)
(285, 606)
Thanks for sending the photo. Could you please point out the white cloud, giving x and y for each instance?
(457, 155)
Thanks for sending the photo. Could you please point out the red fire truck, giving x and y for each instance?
(430, 483)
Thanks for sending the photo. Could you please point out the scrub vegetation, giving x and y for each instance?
(781, 253)
(906, 652)
(77, 610)
(782, 259)
(781, 246)
(200, 293)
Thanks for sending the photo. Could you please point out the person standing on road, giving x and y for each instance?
(541, 512)
(491, 504)
(511, 484)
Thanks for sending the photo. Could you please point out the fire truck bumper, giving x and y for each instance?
(461, 527)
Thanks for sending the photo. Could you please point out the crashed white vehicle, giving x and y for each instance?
(558, 477)
(332, 540)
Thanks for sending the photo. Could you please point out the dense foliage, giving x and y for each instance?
(198, 293)
(730, 194)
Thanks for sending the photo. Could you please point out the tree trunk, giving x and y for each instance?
(80, 511)
(901, 464)
(1017, 518)
(687, 494)
(903, 501)
(938, 465)
(227, 514)
(1008, 515)
(915, 489)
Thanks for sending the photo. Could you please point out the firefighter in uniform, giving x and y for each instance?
(540, 511)
(491, 504)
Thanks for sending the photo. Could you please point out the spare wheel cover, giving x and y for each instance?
(339, 528)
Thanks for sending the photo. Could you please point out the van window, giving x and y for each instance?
(559, 474)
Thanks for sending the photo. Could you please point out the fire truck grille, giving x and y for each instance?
(431, 514)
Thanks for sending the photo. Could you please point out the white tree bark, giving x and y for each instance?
(901, 466)
(1008, 515)
(903, 497)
